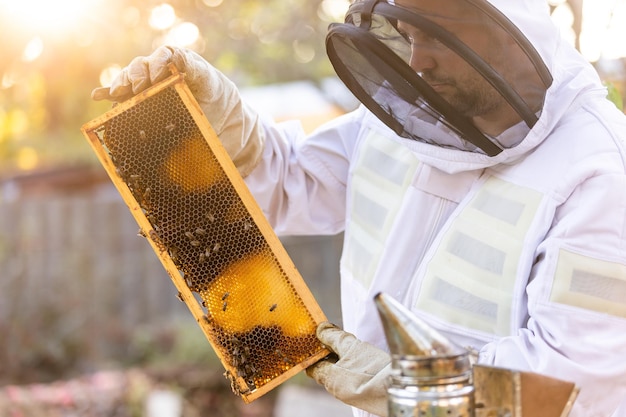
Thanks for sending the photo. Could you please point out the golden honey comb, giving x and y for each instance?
(213, 240)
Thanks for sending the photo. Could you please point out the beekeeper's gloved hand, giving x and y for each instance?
(237, 125)
(358, 377)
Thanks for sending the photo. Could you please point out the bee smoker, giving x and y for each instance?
(432, 377)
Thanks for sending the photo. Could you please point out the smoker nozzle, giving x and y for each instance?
(417, 350)
(407, 335)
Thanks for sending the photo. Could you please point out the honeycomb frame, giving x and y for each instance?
(222, 255)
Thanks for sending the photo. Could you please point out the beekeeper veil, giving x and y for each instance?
(455, 73)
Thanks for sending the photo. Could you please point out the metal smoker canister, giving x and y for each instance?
(431, 377)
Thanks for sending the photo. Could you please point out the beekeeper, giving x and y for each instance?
(482, 184)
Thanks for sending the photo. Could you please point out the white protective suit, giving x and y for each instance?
(521, 256)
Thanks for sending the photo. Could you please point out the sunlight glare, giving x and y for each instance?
(603, 27)
(615, 28)
(40, 16)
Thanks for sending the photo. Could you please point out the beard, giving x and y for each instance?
(471, 96)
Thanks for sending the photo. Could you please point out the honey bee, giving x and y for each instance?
(233, 383)
(189, 281)
(170, 127)
(217, 247)
(180, 296)
(210, 217)
(195, 243)
(225, 296)
(273, 307)
(190, 235)
(224, 306)
(202, 258)
(200, 232)
(142, 134)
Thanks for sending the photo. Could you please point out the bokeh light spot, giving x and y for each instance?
(33, 49)
(109, 73)
(303, 52)
(27, 158)
(212, 3)
(162, 17)
(184, 34)
(333, 10)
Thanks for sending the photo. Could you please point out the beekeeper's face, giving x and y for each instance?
(445, 71)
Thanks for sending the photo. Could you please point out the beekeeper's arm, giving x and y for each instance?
(236, 124)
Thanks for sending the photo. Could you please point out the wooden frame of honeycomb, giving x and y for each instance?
(213, 240)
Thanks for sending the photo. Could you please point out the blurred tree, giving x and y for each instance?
(263, 42)
(55, 53)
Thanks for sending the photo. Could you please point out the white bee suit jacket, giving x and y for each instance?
(521, 256)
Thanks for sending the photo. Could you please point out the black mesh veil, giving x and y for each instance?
(402, 60)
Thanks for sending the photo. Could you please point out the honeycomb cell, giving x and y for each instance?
(258, 322)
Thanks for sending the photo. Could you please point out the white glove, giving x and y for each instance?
(237, 126)
(358, 377)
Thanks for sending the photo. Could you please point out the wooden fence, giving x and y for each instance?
(77, 281)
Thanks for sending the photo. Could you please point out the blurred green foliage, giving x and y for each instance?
(51, 59)
(614, 95)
